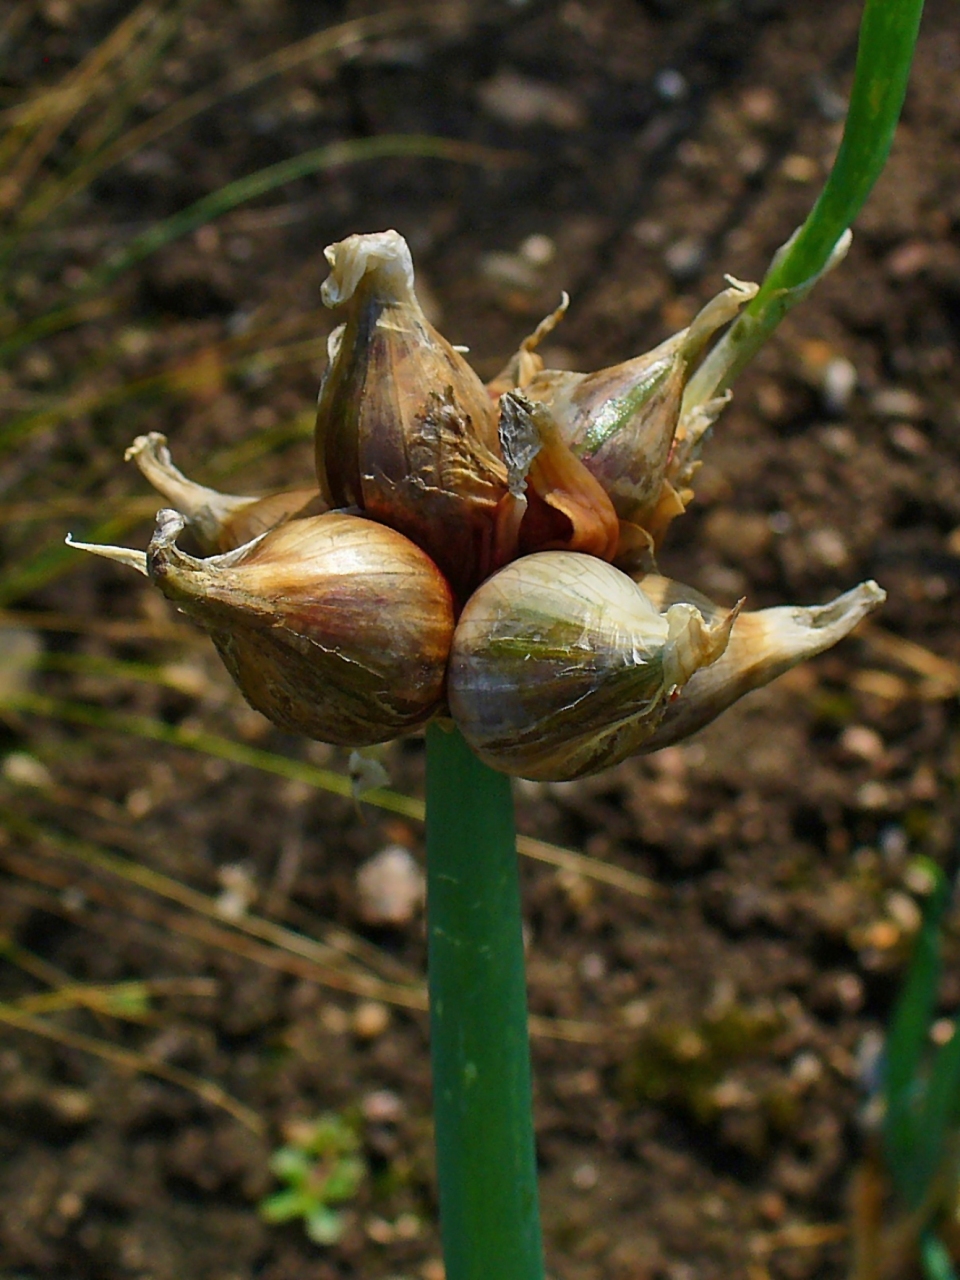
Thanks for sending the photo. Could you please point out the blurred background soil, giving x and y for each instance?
(706, 1025)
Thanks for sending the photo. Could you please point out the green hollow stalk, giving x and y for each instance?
(888, 36)
(482, 1096)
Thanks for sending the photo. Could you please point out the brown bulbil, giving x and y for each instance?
(332, 626)
(405, 429)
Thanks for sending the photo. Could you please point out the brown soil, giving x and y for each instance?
(712, 1130)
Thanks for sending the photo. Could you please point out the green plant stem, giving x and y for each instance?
(482, 1097)
(888, 35)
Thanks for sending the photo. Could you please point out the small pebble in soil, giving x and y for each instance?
(238, 890)
(381, 1107)
(827, 547)
(670, 85)
(908, 440)
(904, 911)
(518, 100)
(896, 402)
(837, 385)
(942, 1031)
(390, 888)
(592, 967)
(370, 1020)
(863, 742)
(686, 258)
(850, 992)
(25, 770)
(798, 168)
(585, 1176)
(538, 250)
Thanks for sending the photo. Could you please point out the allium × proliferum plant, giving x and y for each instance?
(480, 554)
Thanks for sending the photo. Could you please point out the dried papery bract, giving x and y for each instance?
(217, 521)
(405, 429)
(332, 626)
(562, 666)
(762, 645)
(557, 503)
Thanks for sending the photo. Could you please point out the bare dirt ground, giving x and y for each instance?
(703, 1120)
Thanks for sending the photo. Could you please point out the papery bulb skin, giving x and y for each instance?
(332, 626)
(762, 645)
(405, 429)
(555, 504)
(217, 522)
(622, 422)
(561, 666)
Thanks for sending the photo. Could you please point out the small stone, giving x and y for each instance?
(897, 402)
(827, 547)
(850, 992)
(671, 85)
(25, 770)
(390, 888)
(863, 742)
(686, 258)
(837, 384)
(238, 890)
(799, 169)
(521, 101)
(539, 250)
(873, 795)
(585, 1177)
(906, 439)
(759, 104)
(806, 1069)
(592, 967)
(943, 1031)
(382, 1107)
(370, 1020)
(903, 910)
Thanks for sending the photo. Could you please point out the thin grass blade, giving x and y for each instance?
(908, 1039)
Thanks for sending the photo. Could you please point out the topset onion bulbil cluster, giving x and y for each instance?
(482, 553)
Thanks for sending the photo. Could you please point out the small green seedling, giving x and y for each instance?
(321, 1167)
(921, 1105)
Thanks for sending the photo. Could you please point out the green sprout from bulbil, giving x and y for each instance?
(320, 1166)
